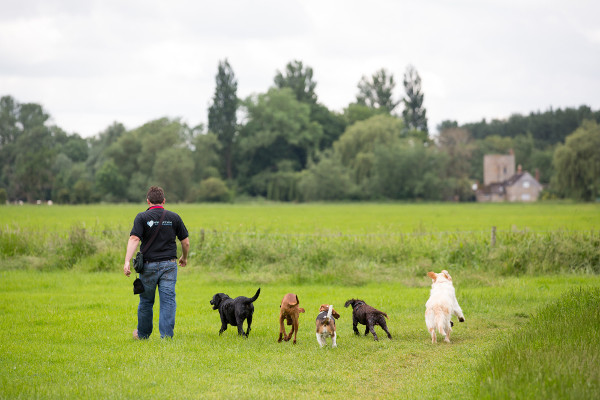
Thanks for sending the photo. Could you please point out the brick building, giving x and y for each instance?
(501, 183)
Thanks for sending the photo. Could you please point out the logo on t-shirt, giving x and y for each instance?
(165, 223)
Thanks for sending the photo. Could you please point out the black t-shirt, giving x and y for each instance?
(163, 247)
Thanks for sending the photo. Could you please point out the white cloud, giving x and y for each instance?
(91, 63)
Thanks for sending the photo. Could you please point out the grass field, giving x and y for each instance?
(347, 218)
(67, 335)
(67, 312)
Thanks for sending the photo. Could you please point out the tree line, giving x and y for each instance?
(284, 145)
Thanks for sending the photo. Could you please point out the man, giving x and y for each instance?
(160, 262)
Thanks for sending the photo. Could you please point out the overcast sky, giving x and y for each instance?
(90, 63)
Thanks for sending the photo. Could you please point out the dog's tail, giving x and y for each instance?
(253, 298)
(328, 317)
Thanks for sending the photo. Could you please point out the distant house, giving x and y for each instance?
(501, 183)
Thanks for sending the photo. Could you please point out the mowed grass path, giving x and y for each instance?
(68, 335)
(346, 218)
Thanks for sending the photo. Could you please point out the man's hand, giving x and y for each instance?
(132, 244)
(127, 269)
(185, 247)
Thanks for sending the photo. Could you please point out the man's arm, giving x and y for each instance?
(185, 247)
(132, 245)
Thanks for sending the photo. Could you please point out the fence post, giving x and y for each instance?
(493, 236)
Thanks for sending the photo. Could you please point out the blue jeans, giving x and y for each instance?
(164, 275)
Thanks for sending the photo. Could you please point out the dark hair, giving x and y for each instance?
(155, 195)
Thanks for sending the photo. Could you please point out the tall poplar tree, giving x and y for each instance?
(377, 92)
(222, 119)
(414, 114)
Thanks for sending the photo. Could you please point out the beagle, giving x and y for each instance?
(325, 323)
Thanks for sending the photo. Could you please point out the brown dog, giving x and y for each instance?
(326, 325)
(289, 311)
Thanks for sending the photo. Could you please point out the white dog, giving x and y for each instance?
(441, 305)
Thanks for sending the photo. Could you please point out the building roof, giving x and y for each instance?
(500, 187)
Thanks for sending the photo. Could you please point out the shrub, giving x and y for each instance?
(212, 189)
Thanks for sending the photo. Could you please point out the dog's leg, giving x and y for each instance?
(384, 327)
(290, 321)
(355, 326)
(447, 336)
(333, 344)
(249, 322)
(320, 340)
(223, 329)
(372, 329)
(240, 326)
(281, 328)
(367, 329)
(295, 328)
(433, 337)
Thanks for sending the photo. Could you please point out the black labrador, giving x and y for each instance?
(366, 315)
(234, 311)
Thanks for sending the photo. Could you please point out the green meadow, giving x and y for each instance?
(530, 298)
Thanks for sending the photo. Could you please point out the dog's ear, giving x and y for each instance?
(335, 314)
(432, 275)
(447, 275)
(301, 310)
(324, 307)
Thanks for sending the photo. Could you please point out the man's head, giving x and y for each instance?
(155, 195)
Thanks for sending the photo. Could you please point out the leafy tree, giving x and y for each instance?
(326, 180)
(457, 143)
(278, 129)
(206, 156)
(358, 143)
(110, 182)
(415, 115)
(212, 189)
(154, 138)
(332, 124)
(99, 144)
(82, 192)
(577, 163)
(447, 124)
(222, 114)
(376, 92)
(541, 164)
(35, 154)
(9, 114)
(172, 170)
(458, 148)
(124, 155)
(405, 169)
(547, 128)
(358, 112)
(300, 80)
(356, 148)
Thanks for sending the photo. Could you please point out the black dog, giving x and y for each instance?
(234, 311)
(367, 315)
